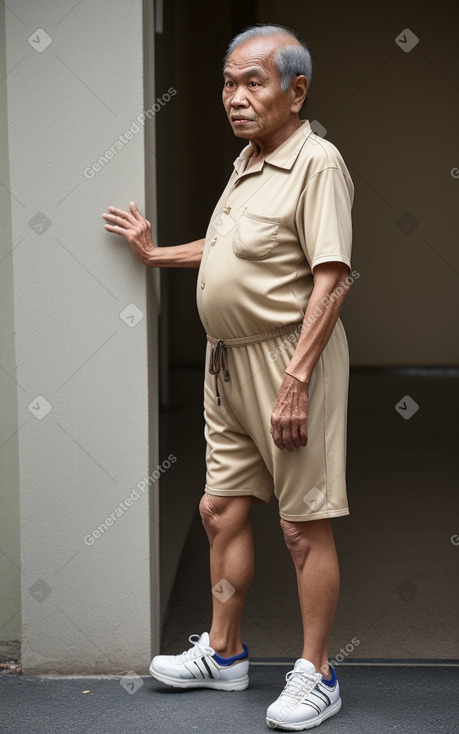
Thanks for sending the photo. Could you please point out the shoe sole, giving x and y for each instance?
(239, 684)
(301, 726)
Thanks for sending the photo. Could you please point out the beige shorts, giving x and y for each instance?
(242, 459)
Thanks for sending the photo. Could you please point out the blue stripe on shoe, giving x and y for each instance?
(332, 680)
(230, 661)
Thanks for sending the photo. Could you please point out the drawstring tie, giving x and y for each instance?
(218, 354)
(218, 362)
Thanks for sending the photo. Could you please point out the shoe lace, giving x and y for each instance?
(299, 684)
(194, 651)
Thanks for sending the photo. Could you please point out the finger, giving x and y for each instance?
(117, 230)
(287, 439)
(135, 212)
(120, 221)
(276, 433)
(111, 216)
(122, 214)
(303, 432)
(296, 432)
(118, 212)
(296, 440)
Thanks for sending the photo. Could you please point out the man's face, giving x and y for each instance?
(255, 104)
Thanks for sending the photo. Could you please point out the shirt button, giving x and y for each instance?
(226, 209)
(203, 285)
(213, 242)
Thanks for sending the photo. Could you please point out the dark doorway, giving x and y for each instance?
(399, 546)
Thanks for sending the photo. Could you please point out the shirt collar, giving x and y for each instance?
(282, 157)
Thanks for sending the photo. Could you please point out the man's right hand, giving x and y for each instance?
(134, 228)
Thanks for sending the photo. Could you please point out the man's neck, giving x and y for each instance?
(262, 148)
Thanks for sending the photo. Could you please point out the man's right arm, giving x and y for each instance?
(137, 232)
(178, 256)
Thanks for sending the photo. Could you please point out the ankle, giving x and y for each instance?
(229, 652)
(321, 666)
(226, 648)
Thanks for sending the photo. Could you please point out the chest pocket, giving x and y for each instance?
(255, 236)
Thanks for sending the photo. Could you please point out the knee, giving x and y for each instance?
(296, 540)
(227, 516)
(210, 516)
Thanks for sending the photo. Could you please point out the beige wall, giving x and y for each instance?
(393, 116)
(75, 83)
(10, 596)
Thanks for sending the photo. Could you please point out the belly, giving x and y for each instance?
(241, 297)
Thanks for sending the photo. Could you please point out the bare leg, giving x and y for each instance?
(313, 551)
(228, 527)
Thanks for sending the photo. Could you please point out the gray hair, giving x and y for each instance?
(290, 61)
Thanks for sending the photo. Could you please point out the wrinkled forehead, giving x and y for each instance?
(257, 53)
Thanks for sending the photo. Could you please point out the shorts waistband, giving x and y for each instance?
(217, 360)
(255, 338)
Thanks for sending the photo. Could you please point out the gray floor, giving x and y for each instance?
(399, 593)
(376, 700)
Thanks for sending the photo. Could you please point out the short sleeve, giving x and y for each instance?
(323, 217)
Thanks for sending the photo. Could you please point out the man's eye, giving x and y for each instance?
(229, 84)
(253, 84)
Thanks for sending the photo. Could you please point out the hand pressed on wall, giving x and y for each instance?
(134, 228)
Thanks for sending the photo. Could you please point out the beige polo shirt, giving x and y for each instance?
(272, 225)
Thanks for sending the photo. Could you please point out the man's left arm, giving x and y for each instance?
(290, 413)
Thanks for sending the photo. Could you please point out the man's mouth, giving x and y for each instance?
(240, 119)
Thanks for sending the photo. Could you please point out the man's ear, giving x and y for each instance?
(300, 88)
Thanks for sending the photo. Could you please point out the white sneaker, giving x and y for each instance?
(202, 667)
(306, 701)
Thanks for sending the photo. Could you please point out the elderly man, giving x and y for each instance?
(273, 275)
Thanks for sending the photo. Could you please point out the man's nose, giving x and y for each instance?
(239, 98)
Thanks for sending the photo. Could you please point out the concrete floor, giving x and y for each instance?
(399, 593)
(376, 700)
